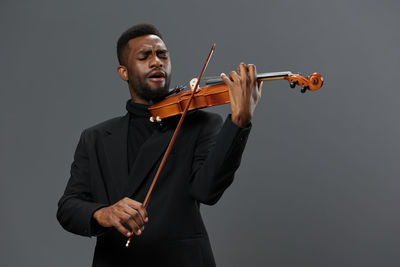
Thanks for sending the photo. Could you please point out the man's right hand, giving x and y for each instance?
(126, 211)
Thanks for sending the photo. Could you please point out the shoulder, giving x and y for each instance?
(108, 124)
(105, 127)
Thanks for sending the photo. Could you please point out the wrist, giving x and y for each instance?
(97, 214)
(240, 121)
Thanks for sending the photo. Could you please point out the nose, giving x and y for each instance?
(155, 62)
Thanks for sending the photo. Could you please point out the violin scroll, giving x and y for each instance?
(313, 82)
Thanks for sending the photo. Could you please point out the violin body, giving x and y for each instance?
(204, 97)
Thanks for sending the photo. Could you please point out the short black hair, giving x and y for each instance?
(133, 32)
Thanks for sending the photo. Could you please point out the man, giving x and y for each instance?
(115, 162)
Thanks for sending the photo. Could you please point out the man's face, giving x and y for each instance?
(148, 67)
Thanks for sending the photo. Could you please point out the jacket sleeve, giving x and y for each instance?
(217, 157)
(76, 207)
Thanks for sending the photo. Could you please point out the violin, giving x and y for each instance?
(216, 93)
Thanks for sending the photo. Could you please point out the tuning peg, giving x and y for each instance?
(293, 84)
(304, 89)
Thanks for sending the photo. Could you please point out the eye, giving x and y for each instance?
(163, 55)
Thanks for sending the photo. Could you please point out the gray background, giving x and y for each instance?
(318, 184)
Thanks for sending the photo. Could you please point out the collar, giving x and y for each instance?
(138, 110)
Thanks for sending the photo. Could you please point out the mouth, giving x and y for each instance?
(156, 76)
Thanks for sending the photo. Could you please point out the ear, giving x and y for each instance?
(123, 72)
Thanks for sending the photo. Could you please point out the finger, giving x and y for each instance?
(139, 214)
(225, 78)
(121, 229)
(252, 71)
(143, 213)
(260, 84)
(126, 219)
(239, 67)
(137, 206)
(252, 74)
(132, 203)
(135, 227)
(234, 76)
(134, 219)
(242, 72)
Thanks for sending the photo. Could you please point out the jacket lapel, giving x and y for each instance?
(148, 158)
(119, 183)
(116, 154)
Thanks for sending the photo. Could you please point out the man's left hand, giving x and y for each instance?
(244, 93)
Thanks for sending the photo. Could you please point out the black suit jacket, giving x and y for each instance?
(200, 167)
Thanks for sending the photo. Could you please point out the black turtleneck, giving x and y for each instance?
(140, 128)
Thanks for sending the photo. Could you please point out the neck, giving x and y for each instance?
(260, 77)
(136, 99)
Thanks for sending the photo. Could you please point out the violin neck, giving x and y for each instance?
(269, 76)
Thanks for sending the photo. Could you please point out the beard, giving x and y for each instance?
(143, 90)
